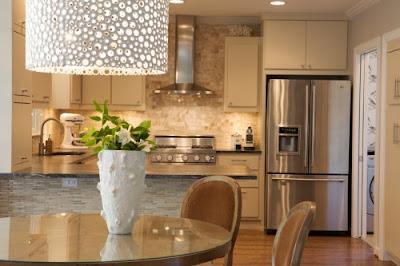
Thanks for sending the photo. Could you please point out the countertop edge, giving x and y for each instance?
(148, 176)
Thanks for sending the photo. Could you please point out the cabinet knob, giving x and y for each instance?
(309, 66)
(303, 66)
(138, 102)
(230, 103)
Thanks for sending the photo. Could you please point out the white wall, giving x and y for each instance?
(5, 85)
(375, 21)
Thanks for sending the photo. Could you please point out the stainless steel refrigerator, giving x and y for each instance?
(308, 150)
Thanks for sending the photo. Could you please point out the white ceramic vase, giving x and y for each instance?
(121, 187)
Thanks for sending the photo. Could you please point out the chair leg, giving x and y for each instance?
(228, 258)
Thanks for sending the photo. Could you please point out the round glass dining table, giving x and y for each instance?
(84, 238)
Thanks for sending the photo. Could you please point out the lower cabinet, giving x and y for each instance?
(251, 200)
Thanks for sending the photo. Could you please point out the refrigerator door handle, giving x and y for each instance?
(306, 129)
(313, 127)
(341, 180)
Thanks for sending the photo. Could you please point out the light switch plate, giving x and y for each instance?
(69, 182)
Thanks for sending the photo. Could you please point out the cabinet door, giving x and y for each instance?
(241, 73)
(326, 45)
(21, 130)
(41, 87)
(21, 78)
(76, 89)
(393, 77)
(285, 44)
(250, 202)
(392, 180)
(128, 90)
(96, 88)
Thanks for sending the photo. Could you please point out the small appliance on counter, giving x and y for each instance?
(236, 141)
(69, 141)
(249, 144)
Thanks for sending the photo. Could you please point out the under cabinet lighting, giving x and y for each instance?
(177, 1)
(100, 37)
(277, 3)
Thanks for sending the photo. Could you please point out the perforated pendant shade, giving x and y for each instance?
(97, 37)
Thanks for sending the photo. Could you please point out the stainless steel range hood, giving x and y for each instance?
(184, 60)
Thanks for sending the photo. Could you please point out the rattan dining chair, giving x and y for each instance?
(292, 234)
(216, 200)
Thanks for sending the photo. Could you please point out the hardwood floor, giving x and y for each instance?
(254, 248)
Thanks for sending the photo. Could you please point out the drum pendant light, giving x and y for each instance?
(97, 37)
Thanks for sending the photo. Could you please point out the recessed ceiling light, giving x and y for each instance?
(176, 1)
(277, 3)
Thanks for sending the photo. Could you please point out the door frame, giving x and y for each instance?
(359, 181)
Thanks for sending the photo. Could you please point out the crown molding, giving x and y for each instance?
(222, 20)
(360, 8)
(304, 16)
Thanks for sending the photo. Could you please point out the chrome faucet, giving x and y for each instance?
(42, 147)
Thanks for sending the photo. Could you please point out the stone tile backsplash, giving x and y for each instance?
(191, 114)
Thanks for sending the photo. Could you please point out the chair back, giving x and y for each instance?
(292, 233)
(216, 200)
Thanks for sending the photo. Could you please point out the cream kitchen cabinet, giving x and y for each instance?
(66, 91)
(22, 78)
(393, 73)
(392, 180)
(96, 88)
(41, 87)
(242, 67)
(305, 45)
(251, 200)
(21, 132)
(128, 92)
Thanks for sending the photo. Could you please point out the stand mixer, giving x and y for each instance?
(70, 120)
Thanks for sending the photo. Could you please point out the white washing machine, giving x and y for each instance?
(370, 193)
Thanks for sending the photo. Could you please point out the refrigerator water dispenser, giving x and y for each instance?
(288, 140)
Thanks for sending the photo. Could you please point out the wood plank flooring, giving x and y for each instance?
(254, 248)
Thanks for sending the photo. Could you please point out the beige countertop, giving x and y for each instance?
(84, 166)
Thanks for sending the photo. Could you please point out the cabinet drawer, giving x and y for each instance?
(250, 203)
(251, 161)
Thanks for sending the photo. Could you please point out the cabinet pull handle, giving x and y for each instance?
(395, 133)
(24, 91)
(396, 88)
(230, 103)
(309, 66)
(244, 191)
(46, 97)
(303, 66)
(239, 160)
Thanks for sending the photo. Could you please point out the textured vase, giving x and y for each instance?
(121, 187)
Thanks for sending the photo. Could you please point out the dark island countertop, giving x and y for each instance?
(85, 166)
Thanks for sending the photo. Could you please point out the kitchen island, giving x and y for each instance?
(67, 184)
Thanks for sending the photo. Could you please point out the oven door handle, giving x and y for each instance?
(341, 180)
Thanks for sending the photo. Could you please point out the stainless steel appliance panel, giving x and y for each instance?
(330, 192)
(330, 127)
(288, 107)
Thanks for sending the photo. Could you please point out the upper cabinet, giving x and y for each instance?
(96, 88)
(242, 79)
(66, 91)
(22, 78)
(128, 91)
(305, 45)
(393, 73)
(41, 87)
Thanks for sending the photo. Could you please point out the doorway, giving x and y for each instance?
(368, 85)
(366, 142)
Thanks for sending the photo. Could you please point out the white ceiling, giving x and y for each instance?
(250, 8)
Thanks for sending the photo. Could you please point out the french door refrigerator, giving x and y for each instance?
(308, 150)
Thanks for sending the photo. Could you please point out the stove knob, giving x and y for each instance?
(158, 157)
(196, 158)
(185, 158)
(207, 158)
(170, 157)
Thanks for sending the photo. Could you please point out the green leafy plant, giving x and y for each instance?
(122, 136)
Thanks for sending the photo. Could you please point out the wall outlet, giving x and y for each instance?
(69, 182)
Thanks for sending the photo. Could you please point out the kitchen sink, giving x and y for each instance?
(65, 153)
